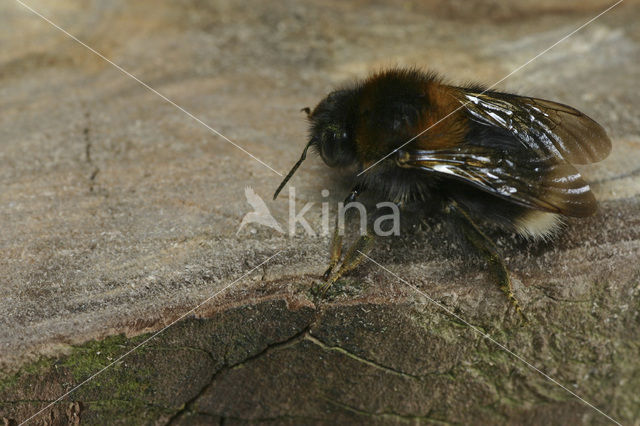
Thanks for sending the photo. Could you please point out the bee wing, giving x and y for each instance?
(537, 182)
(543, 126)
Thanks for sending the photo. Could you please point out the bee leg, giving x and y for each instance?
(357, 252)
(355, 255)
(489, 251)
(336, 251)
(336, 240)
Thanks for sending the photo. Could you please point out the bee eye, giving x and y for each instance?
(335, 146)
(337, 135)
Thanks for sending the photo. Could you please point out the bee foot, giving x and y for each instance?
(327, 273)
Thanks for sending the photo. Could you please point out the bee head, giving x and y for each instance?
(332, 128)
(331, 131)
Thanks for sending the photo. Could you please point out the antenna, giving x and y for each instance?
(293, 170)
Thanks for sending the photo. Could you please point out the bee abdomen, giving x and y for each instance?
(537, 224)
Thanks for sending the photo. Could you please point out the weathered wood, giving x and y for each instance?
(119, 214)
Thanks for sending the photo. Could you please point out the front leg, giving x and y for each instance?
(336, 239)
(356, 253)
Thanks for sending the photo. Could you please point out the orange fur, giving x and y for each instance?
(446, 132)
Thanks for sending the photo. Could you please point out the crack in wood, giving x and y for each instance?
(188, 406)
(88, 143)
(358, 358)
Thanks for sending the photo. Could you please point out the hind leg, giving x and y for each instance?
(487, 249)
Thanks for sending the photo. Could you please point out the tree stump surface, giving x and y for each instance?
(120, 214)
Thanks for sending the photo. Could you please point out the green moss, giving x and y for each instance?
(91, 357)
(130, 379)
(36, 368)
(134, 412)
(122, 390)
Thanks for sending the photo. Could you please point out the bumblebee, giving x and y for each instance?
(463, 152)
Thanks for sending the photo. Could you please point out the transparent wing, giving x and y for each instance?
(546, 127)
(537, 182)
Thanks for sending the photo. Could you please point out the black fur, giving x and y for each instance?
(332, 128)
